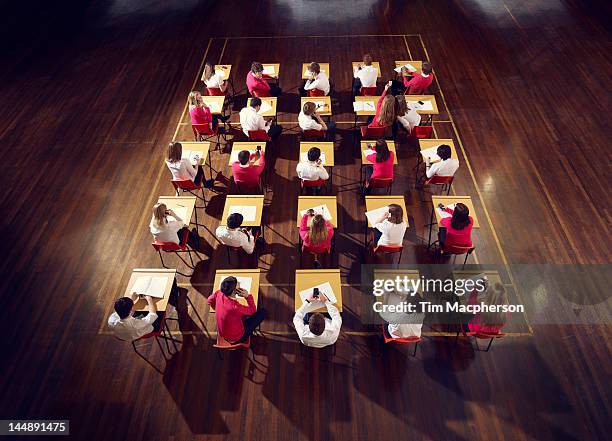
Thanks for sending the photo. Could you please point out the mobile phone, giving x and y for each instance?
(390, 83)
(421, 102)
(258, 147)
(315, 293)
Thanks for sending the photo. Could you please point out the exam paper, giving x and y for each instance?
(244, 282)
(153, 286)
(269, 70)
(265, 107)
(181, 212)
(408, 66)
(247, 211)
(319, 209)
(431, 153)
(304, 157)
(374, 215)
(425, 106)
(324, 288)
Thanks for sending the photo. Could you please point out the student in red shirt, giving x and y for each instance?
(249, 167)
(235, 322)
(382, 162)
(201, 114)
(385, 111)
(456, 230)
(316, 232)
(419, 83)
(489, 322)
(257, 84)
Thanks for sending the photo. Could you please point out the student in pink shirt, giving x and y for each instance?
(249, 167)
(257, 84)
(201, 114)
(420, 82)
(489, 322)
(457, 229)
(316, 233)
(382, 162)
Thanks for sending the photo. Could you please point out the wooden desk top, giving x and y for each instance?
(425, 144)
(374, 202)
(237, 147)
(327, 148)
(141, 304)
(306, 202)
(244, 200)
(271, 101)
(374, 99)
(392, 273)
(305, 279)
(326, 110)
(364, 147)
(276, 67)
(376, 64)
(418, 65)
(424, 98)
(215, 103)
(191, 148)
(226, 68)
(253, 274)
(173, 202)
(466, 200)
(324, 69)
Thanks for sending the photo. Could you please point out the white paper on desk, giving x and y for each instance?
(247, 211)
(408, 66)
(181, 212)
(431, 153)
(153, 286)
(358, 106)
(215, 107)
(324, 288)
(425, 106)
(265, 107)
(244, 282)
(304, 157)
(444, 213)
(319, 209)
(375, 215)
(192, 155)
(234, 154)
(321, 106)
(269, 70)
(368, 152)
(220, 73)
(369, 106)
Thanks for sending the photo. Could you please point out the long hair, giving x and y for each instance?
(461, 217)
(396, 214)
(382, 151)
(209, 70)
(174, 153)
(195, 98)
(386, 117)
(159, 214)
(401, 107)
(318, 230)
(496, 295)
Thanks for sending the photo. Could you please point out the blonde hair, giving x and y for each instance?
(496, 296)
(159, 214)
(174, 153)
(209, 70)
(386, 117)
(318, 230)
(195, 98)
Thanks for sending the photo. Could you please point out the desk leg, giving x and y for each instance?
(195, 210)
(431, 216)
(331, 178)
(210, 165)
(416, 171)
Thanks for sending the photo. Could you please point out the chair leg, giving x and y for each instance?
(228, 255)
(489, 345)
(465, 260)
(219, 354)
(146, 359)
(400, 256)
(184, 261)
(161, 258)
(416, 345)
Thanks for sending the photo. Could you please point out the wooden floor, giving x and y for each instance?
(93, 93)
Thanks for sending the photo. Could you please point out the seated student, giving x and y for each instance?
(128, 326)
(164, 230)
(419, 83)
(309, 119)
(180, 167)
(249, 167)
(234, 236)
(316, 80)
(322, 329)
(402, 324)
(407, 116)
(390, 228)
(445, 167)
(251, 120)
(365, 75)
(489, 322)
(385, 111)
(457, 229)
(313, 169)
(235, 322)
(213, 79)
(316, 232)
(257, 84)
(382, 162)
(201, 114)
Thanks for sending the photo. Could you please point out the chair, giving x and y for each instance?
(224, 345)
(238, 250)
(259, 135)
(313, 135)
(156, 335)
(245, 187)
(487, 335)
(187, 185)
(368, 91)
(442, 181)
(176, 248)
(203, 132)
(380, 183)
(215, 91)
(373, 132)
(310, 184)
(422, 132)
(400, 341)
(314, 251)
(316, 92)
(456, 250)
(387, 249)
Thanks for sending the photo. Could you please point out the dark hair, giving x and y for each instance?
(314, 153)
(314, 67)
(229, 285)
(382, 151)
(367, 59)
(256, 67)
(234, 220)
(316, 323)
(309, 108)
(255, 102)
(426, 68)
(444, 152)
(461, 216)
(396, 214)
(124, 306)
(244, 156)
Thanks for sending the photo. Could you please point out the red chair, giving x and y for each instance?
(215, 91)
(316, 92)
(313, 135)
(380, 183)
(306, 184)
(373, 132)
(387, 249)
(238, 251)
(368, 91)
(176, 248)
(400, 341)
(261, 93)
(314, 251)
(246, 187)
(441, 181)
(156, 335)
(259, 135)
(487, 335)
(456, 251)
(224, 345)
(187, 185)
(422, 132)
(203, 132)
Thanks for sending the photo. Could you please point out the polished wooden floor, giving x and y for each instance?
(92, 93)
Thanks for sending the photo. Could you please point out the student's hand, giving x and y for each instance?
(134, 297)
(319, 162)
(257, 154)
(312, 298)
(386, 86)
(242, 292)
(441, 206)
(323, 297)
(404, 70)
(310, 212)
(149, 299)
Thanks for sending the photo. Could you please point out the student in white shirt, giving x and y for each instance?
(312, 169)
(402, 324)
(125, 326)
(234, 236)
(315, 329)
(250, 119)
(316, 80)
(406, 115)
(390, 228)
(164, 229)
(214, 79)
(309, 119)
(445, 167)
(181, 168)
(365, 75)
